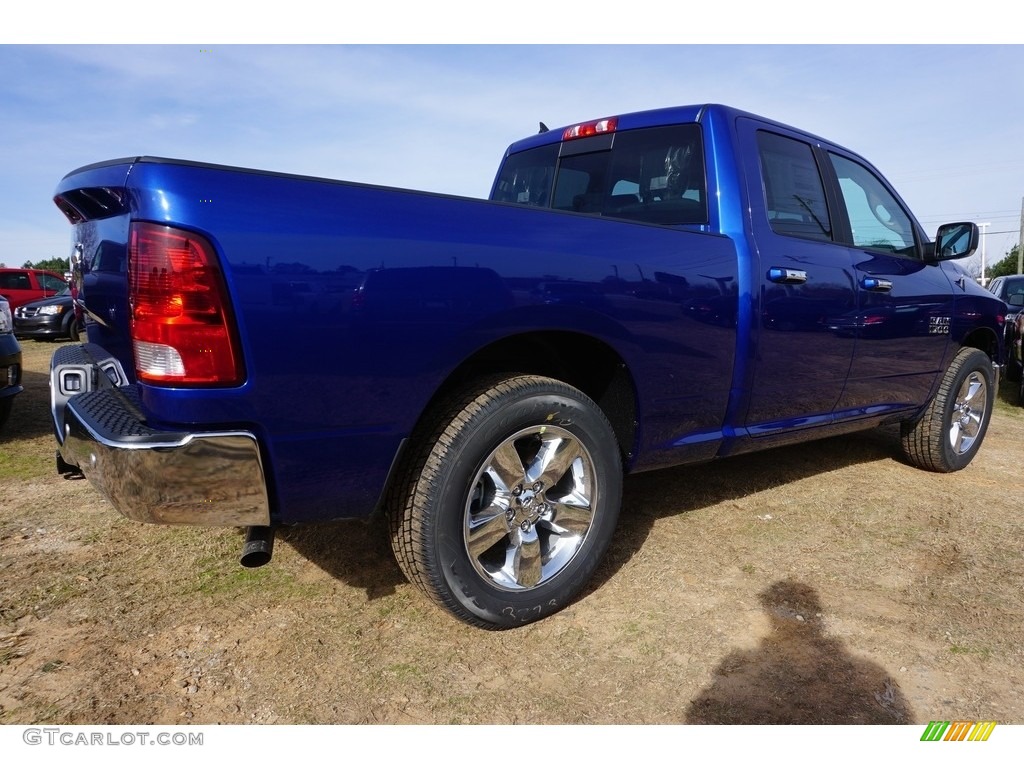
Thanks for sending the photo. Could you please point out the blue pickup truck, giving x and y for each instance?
(640, 291)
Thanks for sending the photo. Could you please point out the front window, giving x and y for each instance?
(877, 220)
(51, 283)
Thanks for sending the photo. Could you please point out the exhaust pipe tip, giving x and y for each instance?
(66, 469)
(258, 547)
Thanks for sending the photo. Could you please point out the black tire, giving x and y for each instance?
(508, 501)
(5, 409)
(948, 434)
(1013, 371)
(75, 329)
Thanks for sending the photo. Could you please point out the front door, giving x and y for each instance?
(905, 305)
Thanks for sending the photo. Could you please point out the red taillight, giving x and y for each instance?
(593, 128)
(181, 322)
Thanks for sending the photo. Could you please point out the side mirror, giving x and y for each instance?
(956, 241)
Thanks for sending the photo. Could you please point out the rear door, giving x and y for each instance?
(806, 277)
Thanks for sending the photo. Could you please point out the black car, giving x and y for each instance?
(1010, 288)
(52, 318)
(10, 362)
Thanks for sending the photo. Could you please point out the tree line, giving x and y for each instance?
(60, 266)
(1005, 266)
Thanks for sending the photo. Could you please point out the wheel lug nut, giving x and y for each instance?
(538, 487)
(517, 490)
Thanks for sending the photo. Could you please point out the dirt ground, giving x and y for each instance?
(825, 583)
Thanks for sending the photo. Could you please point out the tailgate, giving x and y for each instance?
(96, 201)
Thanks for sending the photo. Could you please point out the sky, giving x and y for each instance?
(943, 123)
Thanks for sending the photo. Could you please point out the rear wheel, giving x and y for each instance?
(946, 437)
(507, 508)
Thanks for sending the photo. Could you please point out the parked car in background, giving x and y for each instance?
(10, 362)
(20, 286)
(52, 318)
(1010, 288)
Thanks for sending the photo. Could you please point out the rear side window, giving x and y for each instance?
(654, 175)
(793, 190)
(15, 281)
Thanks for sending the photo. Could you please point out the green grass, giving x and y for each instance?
(405, 672)
(966, 650)
(224, 576)
(25, 464)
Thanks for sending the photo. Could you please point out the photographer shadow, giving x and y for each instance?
(798, 675)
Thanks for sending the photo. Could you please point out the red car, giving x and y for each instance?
(20, 286)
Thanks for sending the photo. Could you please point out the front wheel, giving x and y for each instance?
(948, 434)
(506, 508)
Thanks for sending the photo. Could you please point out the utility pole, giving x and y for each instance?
(1020, 242)
(983, 228)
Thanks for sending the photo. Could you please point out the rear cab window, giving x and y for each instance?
(652, 175)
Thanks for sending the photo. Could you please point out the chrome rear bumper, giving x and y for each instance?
(149, 475)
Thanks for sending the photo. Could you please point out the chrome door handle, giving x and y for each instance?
(876, 284)
(787, 276)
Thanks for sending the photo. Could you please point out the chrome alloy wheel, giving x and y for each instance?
(968, 413)
(531, 507)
